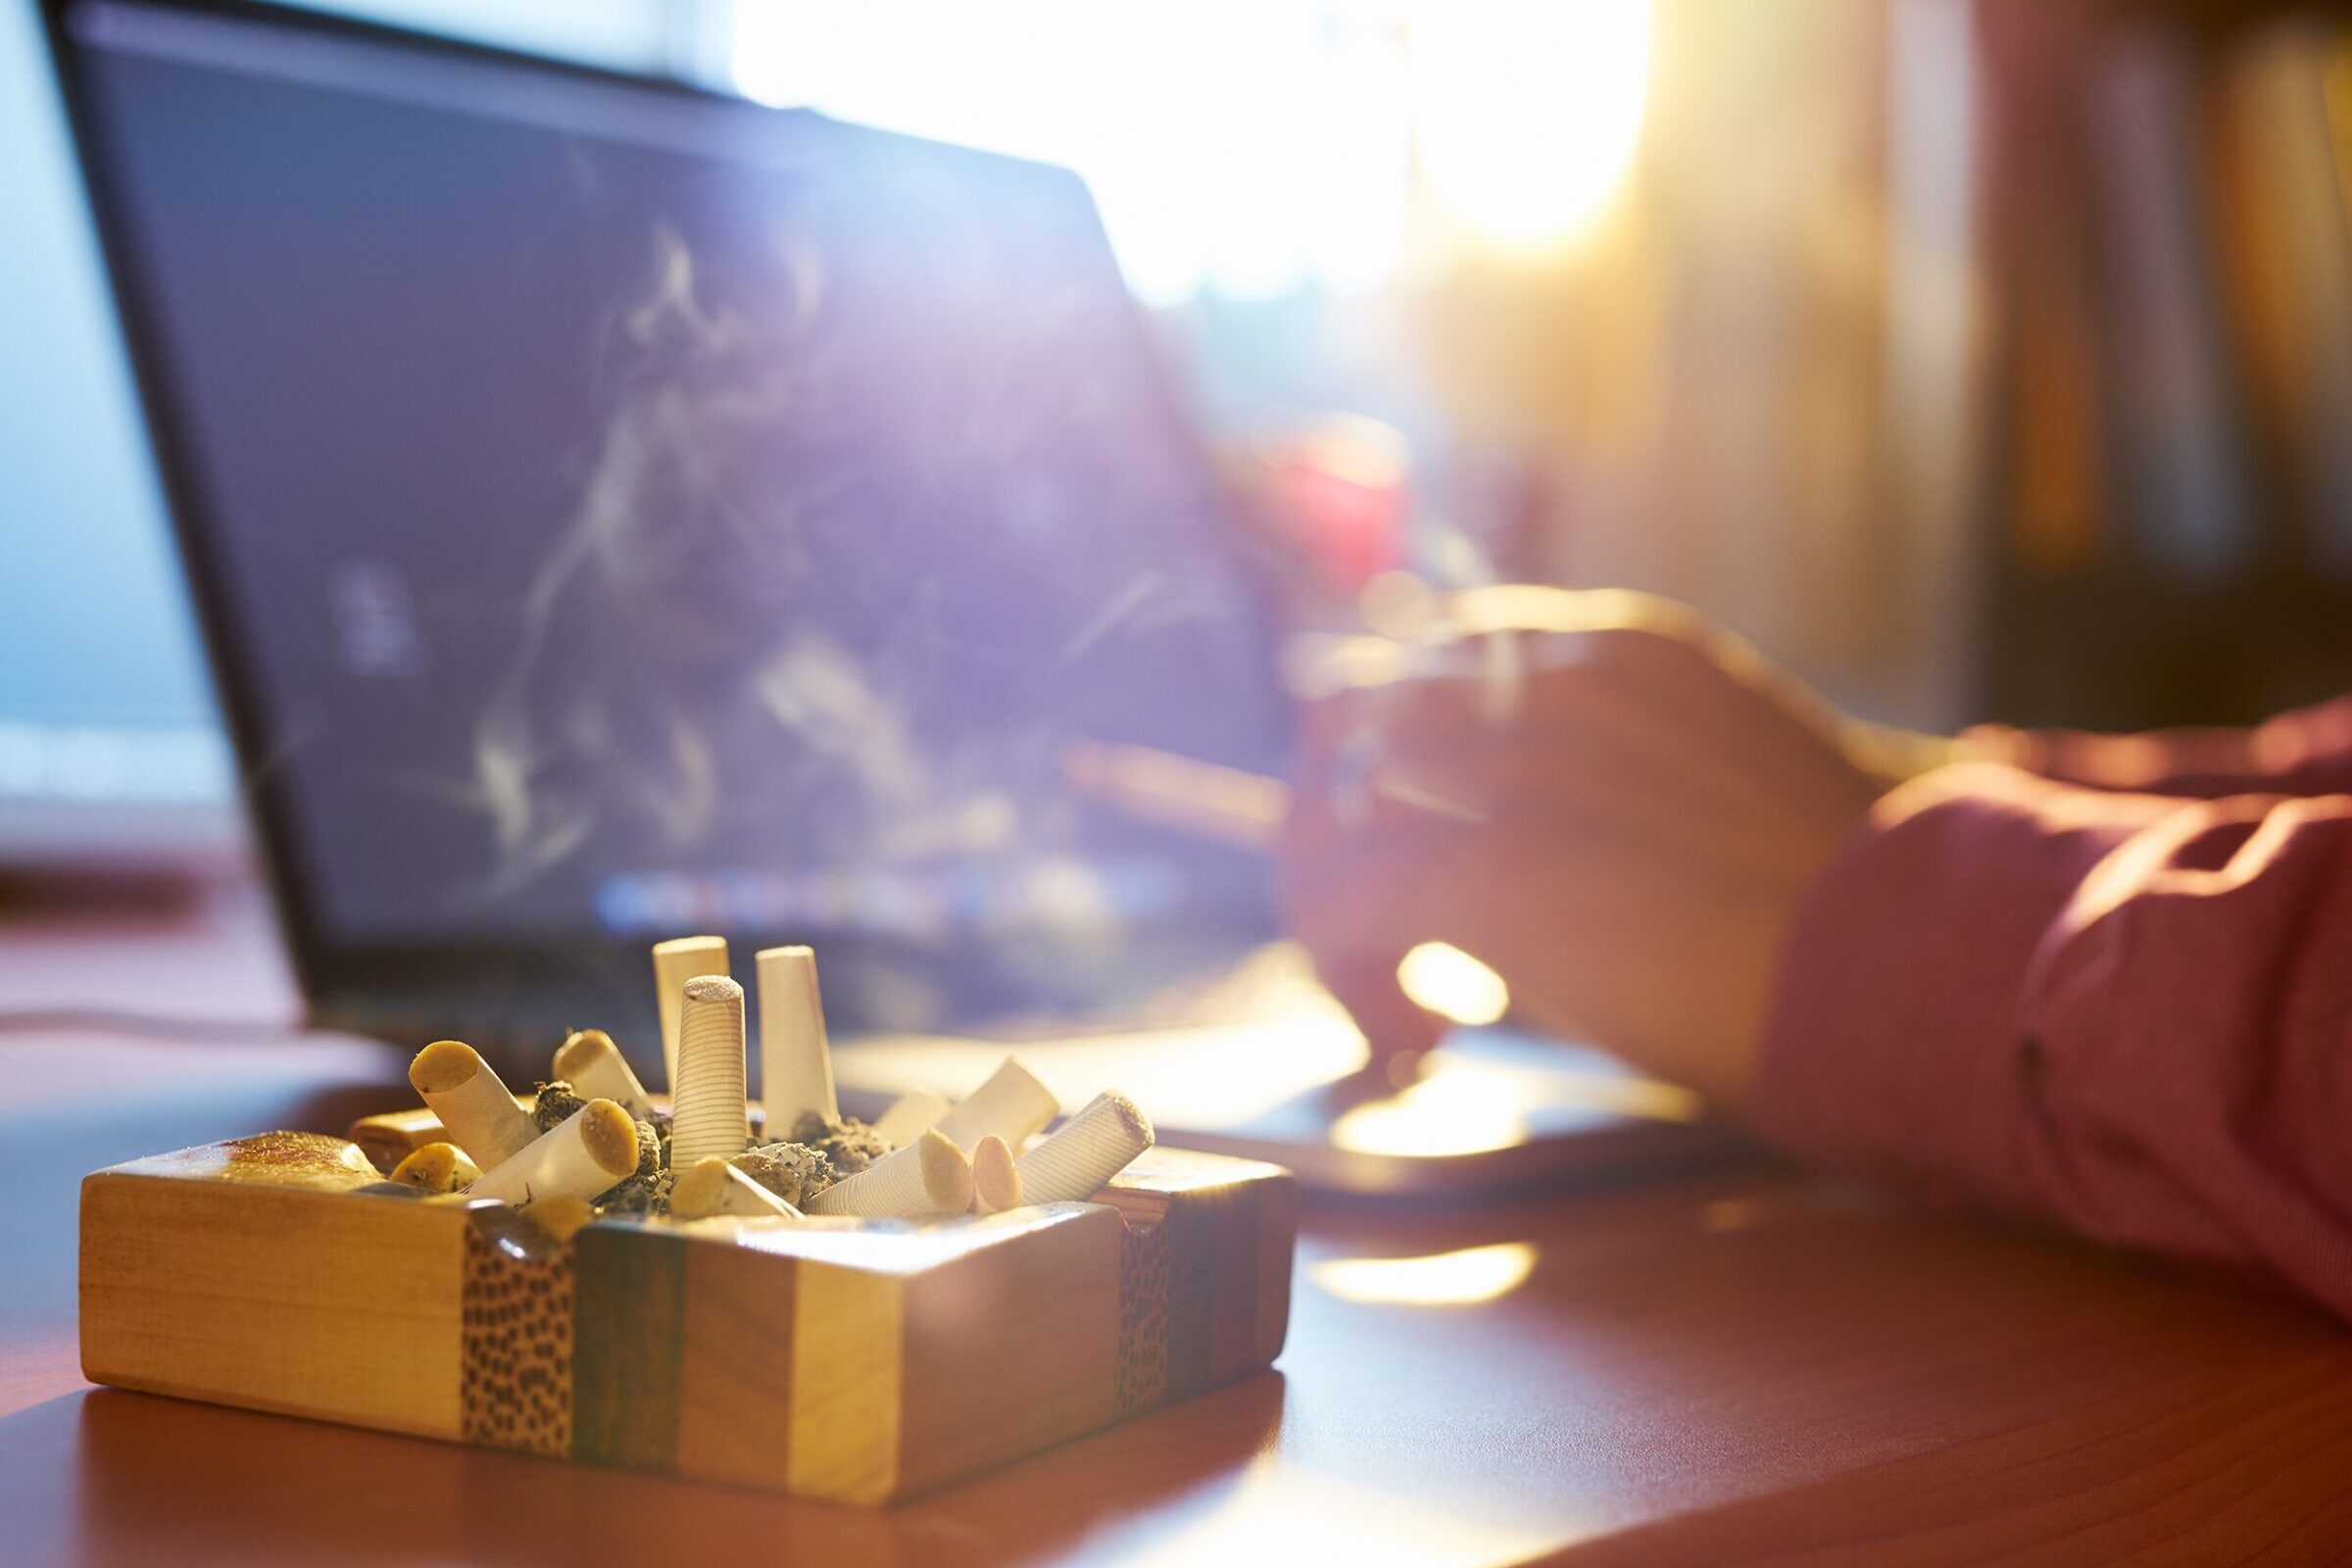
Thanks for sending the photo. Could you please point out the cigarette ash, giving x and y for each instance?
(820, 1151)
(848, 1143)
(557, 1104)
(567, 1155)
(793, 1172)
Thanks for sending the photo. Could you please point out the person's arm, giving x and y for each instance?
(2307, 752)
(2128, 1014)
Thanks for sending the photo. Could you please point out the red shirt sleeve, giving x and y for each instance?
(2125, 1013)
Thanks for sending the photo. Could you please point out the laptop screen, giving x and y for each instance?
(624, 513)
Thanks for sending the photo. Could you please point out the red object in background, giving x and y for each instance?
(1340, 491)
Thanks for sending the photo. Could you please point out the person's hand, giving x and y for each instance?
(1617, 814)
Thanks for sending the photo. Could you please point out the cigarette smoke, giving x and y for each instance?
(722, 653)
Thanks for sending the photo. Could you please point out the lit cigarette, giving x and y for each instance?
(594, 1067)
(1012, 1105)
(437, 1168)
(677, 962)
(708, 1115)
(796, 1064)
(1085, 1151)
(581, 1157)
(996, 1180)
(714, 1186)
(909, 1117)
(1214, 801)
(929, 1176)
(476, 1109)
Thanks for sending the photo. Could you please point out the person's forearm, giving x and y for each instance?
(2307, 752)
(2125, 1013)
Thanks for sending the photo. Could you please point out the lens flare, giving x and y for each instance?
(1527, 111)
(1448, 982)
(1446, 1279)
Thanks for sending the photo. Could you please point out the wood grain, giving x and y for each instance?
(297, 1298)
(842, 1423)
(1011, 1348)
(735, 1383)
(1742, 1365)
(628, 1343)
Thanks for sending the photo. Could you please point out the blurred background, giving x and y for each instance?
(1980, 361)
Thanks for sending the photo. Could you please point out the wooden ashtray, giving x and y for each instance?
(862, 1361)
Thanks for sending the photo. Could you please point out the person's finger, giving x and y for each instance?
(1358, 907)
(1394, 1027)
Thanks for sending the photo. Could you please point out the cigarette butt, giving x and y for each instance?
(709, 1118)
(795, 1063)
(560, 1215)
(677, 962)
(995, 1181)
(714, 1186)
(909, 1117)
(1072, 1166)
(476, 1109)
(1011, 1106)
(594, 1067)
(437, 1168)
(929, 1176)
(582, 1157)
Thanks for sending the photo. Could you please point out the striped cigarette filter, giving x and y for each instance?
(709, 1117)
(677, 962)
(929, 1176)
(1072, 1166)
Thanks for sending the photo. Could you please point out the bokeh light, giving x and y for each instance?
(1527, 111)
(1444, 1279)
(1448, 982)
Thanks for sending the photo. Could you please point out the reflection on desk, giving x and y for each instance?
(1729, 1366)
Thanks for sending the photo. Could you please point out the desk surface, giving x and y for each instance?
(1738, 1364)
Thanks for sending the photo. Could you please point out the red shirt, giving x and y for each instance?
(2107, 981)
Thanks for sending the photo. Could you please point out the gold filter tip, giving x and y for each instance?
(698, 1189)
(443, 1065)
(581, 1048)
(609, 1136)
(436, 1168)
(996, 1184)
(562, 1216)
(947, 1174)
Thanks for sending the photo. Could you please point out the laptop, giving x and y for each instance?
(618, 511)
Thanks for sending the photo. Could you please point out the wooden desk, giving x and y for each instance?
(1735, 1365)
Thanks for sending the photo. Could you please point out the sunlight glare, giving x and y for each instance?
(1528, 111)
(1443, 979)
(1460, 1109)
(1446, 1279)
